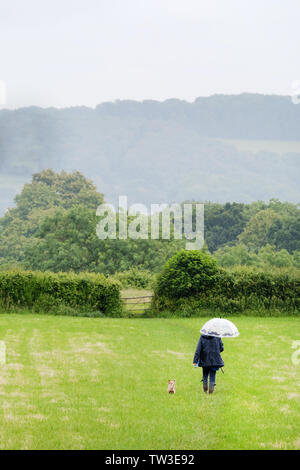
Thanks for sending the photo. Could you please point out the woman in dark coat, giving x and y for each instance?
(208, 356)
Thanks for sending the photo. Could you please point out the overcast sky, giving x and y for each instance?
(83, 52)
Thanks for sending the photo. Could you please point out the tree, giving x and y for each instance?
(284, 233)
(65, 241)
(237, 255)
(255, 234)
(47, 193)
(223, 223)
(271, 257)
(50, 189)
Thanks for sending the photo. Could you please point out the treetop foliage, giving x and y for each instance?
(53, 227)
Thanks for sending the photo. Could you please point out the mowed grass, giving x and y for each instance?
(86, 383)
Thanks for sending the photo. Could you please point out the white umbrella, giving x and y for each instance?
(220, 327)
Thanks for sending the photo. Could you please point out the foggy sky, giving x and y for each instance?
(83, 52)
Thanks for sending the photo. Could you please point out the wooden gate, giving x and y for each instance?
(138, 305)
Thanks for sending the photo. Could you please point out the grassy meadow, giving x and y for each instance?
(101, 383)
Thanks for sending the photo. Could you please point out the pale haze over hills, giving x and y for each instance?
(221, 148)
(156, 143)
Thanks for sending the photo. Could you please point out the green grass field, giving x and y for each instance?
(86, 383)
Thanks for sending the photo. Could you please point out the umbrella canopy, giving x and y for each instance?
(220, 327)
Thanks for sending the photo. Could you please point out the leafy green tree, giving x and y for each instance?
(284, 233)
(64, 190)
(67, 240)
(255, 234)
(223, 223)
(297, 259)
(237, 255)
(64, 241)
(48, 192)
(266, 257)
(271, 257)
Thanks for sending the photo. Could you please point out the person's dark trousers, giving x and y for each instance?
(211, 372)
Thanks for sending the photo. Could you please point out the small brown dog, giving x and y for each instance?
(171, 386)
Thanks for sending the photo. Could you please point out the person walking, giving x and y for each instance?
(208, 356)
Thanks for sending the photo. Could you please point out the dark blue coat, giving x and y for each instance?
(208, 352)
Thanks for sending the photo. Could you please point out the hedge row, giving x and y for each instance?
(65, 291)
(237, 292)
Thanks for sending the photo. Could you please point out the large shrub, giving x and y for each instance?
(187, 273)
(48, 291)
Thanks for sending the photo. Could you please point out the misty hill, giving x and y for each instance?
(221, 148)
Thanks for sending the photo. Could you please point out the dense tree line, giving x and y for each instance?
(53, 227)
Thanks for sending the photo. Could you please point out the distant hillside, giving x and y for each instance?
(222, 148)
